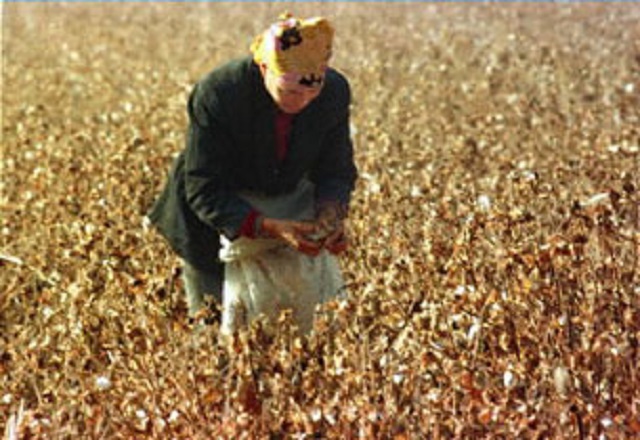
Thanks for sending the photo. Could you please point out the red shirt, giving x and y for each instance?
(284, 121)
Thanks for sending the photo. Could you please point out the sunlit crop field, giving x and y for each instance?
(493, 277)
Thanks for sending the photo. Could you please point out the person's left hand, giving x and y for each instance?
(330, 221)
(336, 242)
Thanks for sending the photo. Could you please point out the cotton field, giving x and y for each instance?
(494, 272)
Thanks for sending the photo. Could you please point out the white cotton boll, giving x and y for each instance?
(629, 88)
(606, 422)
(484, 202)
(330, 418)
(598, 198)
(351, 413)
(561, 379)
(174, 416)
(7, 399)
(460, 290)
(562, 320)
(509, 379)
(146, 224)
(512, 98)
(529, 176)
(316, 414)
(398, 378)
(463, 290)
(47, 312)
(433, 395)
(77, 329)
(613, 148)
(633, 149)
(374, 416)
(365, 176)
(374, 187)
(103, 383)
(473, 330)
(141, 414)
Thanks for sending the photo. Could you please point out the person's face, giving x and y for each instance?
(290, 97)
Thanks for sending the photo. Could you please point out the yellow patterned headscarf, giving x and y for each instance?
(297, 50)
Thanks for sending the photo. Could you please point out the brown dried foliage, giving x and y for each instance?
(493, 280)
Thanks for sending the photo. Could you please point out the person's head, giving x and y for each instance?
(293, 56)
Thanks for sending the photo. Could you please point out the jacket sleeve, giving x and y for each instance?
(335, 172)
(209, 163)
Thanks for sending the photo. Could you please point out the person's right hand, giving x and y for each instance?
(294, 233)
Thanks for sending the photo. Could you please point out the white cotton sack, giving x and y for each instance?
(265, 276)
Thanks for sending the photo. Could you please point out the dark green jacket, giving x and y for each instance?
(231, 147)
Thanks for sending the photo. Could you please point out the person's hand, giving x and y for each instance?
(336, 242)
(331, 225)
(294, 233)
(329, 217)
